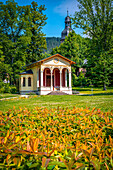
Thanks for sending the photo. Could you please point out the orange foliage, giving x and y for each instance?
(56, 138)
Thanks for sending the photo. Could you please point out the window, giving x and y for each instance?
(56, 60)
(29, 81)
(24, 82)
(20, 82)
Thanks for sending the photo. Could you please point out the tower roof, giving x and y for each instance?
(67, 19)
(67, 29)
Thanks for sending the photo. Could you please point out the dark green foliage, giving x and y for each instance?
(6, 88)
(95, 17)
(74, 48)
(21, 37)
(52, 42)
(34, 21)
(81, 80)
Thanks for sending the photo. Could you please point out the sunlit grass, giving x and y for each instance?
(96, 98)
(8, 95)
(104, 102)
(93, 90)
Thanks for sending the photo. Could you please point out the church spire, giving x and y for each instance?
(67, 29)
(67, 12)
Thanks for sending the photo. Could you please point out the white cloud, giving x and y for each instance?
(71, 5)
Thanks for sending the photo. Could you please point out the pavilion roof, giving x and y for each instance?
(56, 55)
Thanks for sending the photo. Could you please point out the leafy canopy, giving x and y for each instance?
(95, 18)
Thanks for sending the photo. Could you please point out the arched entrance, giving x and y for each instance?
(47, 77)
(65, 77)
(56, 79)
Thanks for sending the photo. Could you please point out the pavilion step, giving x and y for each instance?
(57, 93)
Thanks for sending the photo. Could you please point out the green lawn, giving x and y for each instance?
(8, 95)
(103, 102)
(94, 90)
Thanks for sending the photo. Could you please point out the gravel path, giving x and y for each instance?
(26, 96)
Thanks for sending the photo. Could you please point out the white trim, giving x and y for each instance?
(45, 76)
(69, 79)
(38, 78)
(51, 80)
(41, 78)
(60, 80)
(66, 78)
(57, 68)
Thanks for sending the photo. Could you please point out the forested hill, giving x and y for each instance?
(52, 42)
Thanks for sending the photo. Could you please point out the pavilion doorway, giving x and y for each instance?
(56, 79)
(47, 77)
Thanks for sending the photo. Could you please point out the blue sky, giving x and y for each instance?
(56, 12)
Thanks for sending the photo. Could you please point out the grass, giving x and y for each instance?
(94, 90)
(7, 95)
(104, 102)
(63, 134)
(100, 99)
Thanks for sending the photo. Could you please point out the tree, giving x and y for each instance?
(11, 27)
(69, 48)
(74, 48)
(34, 22)
(4, 68)
(21, 37)
(95, 18)
(52, 42)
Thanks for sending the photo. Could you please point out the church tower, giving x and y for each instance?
(67, 29)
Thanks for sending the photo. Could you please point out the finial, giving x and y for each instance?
(67, 12)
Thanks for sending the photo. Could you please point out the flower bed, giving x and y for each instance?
(56, 139)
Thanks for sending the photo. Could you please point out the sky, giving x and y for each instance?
(56, 11)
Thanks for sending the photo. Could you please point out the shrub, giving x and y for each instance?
(6, 88)
(56, 139)
(13, 89)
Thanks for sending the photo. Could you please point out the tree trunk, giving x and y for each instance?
(104, 86)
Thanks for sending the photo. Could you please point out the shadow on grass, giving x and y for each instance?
(97, 94)
(88, 89)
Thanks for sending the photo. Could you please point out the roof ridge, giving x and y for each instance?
(51, 57)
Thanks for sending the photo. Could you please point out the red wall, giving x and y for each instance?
(57, 77)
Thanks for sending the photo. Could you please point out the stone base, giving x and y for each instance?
(46, 91)
(28, 92)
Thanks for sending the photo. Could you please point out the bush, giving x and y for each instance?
(2, 90)
(13, 89)
(81, 80)
(6, 88)
(56, 139)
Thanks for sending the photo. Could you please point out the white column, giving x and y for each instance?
(21, 81)
(38, 78)
(60, 80)
(51, 81)
(69, 79)
(41, 78)
(66, 78)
